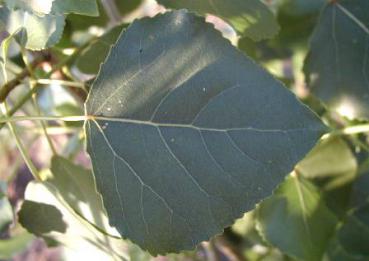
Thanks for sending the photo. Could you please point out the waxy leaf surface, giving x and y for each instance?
(186, 134)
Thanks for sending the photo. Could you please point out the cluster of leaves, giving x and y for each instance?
(186, 133)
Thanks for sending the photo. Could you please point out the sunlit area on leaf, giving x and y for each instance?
(184, 130)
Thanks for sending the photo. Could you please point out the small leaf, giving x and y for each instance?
(186, 134)
(296, 220)
(32, 31)
(40, 218)
(330, 162)
(250, 18)
(82, 7)
(337, 66)
(55, 7)
(90, 60)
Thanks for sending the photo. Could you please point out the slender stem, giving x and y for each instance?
(61, 82)
(29, 94)
(362, 128)
(20, 146)
(10, 85)
(44, 118)
(35, 103)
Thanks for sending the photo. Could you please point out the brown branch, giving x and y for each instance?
(10, 85)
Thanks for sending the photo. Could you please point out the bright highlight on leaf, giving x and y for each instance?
(186, 134)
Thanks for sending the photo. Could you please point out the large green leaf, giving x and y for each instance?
(32, 31)
(42, 7)
(296, 220)
(90, 60)
(250, 18)
(337, 67)
(186, 134)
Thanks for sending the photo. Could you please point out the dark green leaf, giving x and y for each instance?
(186, 134)
(81, 23)
(337, 67)
(32, 31)
(360, 192)
(90, 60)
(296, 220)
(127, 6)
(301, 7)
(39, 218)
(354, 234)
(250, 18)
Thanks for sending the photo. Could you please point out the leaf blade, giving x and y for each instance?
(182, 142)
(336, 67)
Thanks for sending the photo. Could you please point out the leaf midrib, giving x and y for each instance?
(191, 126)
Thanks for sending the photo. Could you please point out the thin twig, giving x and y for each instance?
(10, 85)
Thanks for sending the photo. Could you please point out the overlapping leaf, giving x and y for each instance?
(250, 18)
(32, 31)
(186, 134)
(67, 209)
(90, 60)
(337, 67)
(331, 163)
(55, 7)
(296, 220)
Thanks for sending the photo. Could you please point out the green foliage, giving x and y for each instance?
(354, 234)
(250, 18)
(32, 31)
(144, 124)
(90, 60)
(55, 7)
(336, 67)
(296, 220)
(186, 130)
